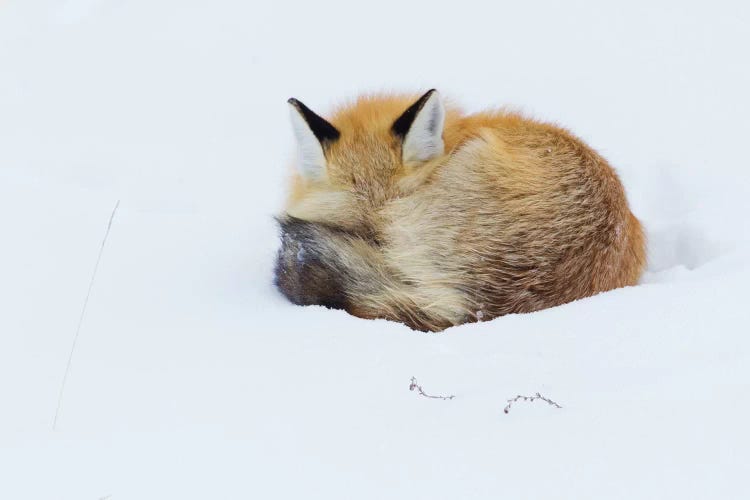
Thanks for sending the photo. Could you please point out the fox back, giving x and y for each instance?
(401, 208)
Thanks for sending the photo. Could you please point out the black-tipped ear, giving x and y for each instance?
(420, 129)
(324, 131)
(402, 125)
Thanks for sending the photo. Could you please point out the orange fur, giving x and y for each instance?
(516, 216)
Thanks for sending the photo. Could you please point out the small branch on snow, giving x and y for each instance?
(415, 385)
(529, 398)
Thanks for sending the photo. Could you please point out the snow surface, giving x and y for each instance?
(194, 379)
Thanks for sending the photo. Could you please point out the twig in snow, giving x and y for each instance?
(529, 398)
(415, 385)
(83, 313)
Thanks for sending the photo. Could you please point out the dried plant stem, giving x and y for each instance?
(83, 314)
(414, 385)
(529, 398)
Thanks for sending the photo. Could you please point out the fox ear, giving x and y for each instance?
(313, 134)
(421, 128)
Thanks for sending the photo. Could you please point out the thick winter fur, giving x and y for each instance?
(507, 215)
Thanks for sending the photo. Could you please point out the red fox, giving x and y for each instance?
(406, 209)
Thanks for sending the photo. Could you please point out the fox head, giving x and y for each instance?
(369, 152)
(374, 150)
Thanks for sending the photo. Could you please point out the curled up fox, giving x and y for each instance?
(403, 208)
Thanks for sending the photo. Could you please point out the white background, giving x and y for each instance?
(193, 378)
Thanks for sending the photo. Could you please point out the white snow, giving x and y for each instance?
(193, 378)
